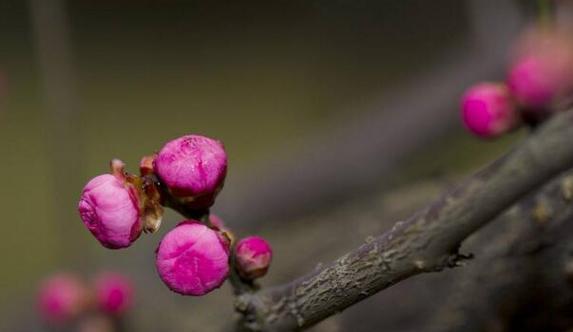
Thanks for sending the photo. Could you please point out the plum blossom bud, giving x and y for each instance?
(114, 293)
(542, 71)
(253, 257)
(193, 259)
(193, 168)
(488, 110)
(109, 207)
(61, 298)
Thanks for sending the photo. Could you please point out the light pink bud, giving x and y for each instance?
(542, 71)
(193, 259)
(114, 293)
(253, 257)
(109, 207)
(61, 298)
(488, 110)
(193, 168)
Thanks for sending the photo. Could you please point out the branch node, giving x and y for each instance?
(458, 259)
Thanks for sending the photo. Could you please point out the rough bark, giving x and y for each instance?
(426, 242)
(522, 280)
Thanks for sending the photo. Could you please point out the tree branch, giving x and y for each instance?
(532, 247)
(428, 241)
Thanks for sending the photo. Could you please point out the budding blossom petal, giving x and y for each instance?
(542, 71)
(193, 259)
(253, 257)
(61, 298)
(109, 207)
(193, 168)
(537, 80)
(488, 110)
(114, 293)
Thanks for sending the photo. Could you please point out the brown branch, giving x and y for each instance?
(531, 246)
(426, 242)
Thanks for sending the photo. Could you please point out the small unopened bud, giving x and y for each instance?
(114, 293)
(193, 168)
(61, 298)
(193, 259)
(109, 207)
(253, 257)
(542, 71)
(488, 110)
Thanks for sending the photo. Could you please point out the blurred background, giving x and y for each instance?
(325, 107)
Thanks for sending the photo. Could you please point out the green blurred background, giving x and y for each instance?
(263, 76)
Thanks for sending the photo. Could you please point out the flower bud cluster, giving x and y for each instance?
(186, 174)
(539, 80)
(64, 297)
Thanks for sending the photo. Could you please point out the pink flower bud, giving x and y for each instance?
(193, 259)
(542, 71)
(193, 168)
(488, 110)
(61, 298)
(109, 207)
(253, 257)
(114, 293)
(536, 81)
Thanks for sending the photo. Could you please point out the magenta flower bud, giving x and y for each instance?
(488, 110)
(61, 298)
(538, 80)
(253, 257)
(193, 168)
(193, 259)
(109, 207)
(542, 71)
(114, 293)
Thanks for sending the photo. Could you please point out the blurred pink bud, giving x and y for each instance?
(253, 257)
(114, 293)
(488, 110)
(109, 207)
(193, 168)
(61, 298)
(193, 259)
(542, 71)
